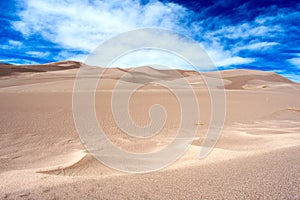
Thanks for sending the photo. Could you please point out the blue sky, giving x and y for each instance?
(261, 35)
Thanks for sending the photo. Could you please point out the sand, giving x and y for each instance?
(42, 157)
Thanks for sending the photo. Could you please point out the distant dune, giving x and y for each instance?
(42, 157)
(9, 69)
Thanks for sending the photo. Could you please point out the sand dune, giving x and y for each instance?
(7, 69)
(240, 79)
(42, 157)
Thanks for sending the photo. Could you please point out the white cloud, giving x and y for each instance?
(246, 30)
(295, 61)
(82, 25)
(17, 61)
(256, 46)
(151, 57)
(38, 54)
(12, 44)
(15, 43)
(293, 77)
(227, 54)
(65, 55)
(148, 47)
(223, 58)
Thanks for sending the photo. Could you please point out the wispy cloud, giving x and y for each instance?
(295, 61)
(256, 46)
(292, 76)
(223, 58)
(15, 43)
(12, 44)
(83, 25)
(246, 30)
(18, 61)
(256, 35)
(38, 54)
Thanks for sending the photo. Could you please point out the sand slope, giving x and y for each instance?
(42, 157)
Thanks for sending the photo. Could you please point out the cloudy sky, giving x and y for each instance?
(262, 35)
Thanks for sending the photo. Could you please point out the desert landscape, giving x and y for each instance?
(42, 156)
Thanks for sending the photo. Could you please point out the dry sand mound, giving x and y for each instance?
(41, 155)
(238, 81)
(85, 166)
(7, 69)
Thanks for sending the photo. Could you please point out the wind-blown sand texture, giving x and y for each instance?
(41, 155)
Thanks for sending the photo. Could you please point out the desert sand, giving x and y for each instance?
(42, 156)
